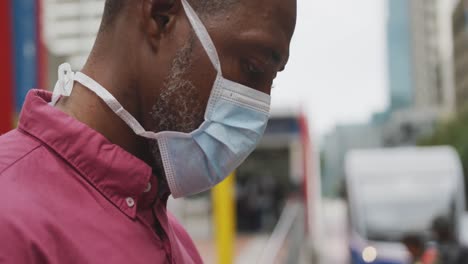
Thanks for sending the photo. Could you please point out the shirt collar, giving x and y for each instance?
(118, 175)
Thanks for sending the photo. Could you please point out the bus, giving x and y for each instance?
(396, 191)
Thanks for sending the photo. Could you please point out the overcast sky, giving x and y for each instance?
(337, 67)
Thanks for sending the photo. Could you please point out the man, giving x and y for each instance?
(172, 98)
(416, 246)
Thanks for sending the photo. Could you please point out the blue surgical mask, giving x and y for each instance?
(235, 120)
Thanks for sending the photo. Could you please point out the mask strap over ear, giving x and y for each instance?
(113, 104)
(203, 36)
(64, 86)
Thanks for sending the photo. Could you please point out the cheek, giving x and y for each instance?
(232, 69)
(203, 76)
(150, 82)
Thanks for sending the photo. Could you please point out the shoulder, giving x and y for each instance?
(23, 175)
(27, 164)
(14, 146)
(184, 238)
(178, 228)
(19, 227)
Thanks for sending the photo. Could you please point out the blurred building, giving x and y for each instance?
(335, 146)
(426, 65)
(70, 28)
(445, 45)
(399, 55)
(460, 50)
(420, 69)
(419, 55)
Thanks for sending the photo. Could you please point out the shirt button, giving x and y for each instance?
(130, 202)
(148, 187)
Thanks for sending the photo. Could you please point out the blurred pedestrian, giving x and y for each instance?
(164, 105)
(418, 249)
(449, 250)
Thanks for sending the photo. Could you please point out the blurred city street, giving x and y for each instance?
(335, 233)
(248, 249)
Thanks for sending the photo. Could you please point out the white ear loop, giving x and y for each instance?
(113, 104)
(203, 36)
(64, 85)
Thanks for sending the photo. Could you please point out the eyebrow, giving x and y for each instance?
(269, 51)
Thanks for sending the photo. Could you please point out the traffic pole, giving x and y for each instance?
(42, 81)
(223, 196)
(6, 67)
(25, 48)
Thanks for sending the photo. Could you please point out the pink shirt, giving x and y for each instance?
(71, 196)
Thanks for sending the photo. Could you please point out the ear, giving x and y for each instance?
(160, 17)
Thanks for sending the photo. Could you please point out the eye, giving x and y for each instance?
(253, 68)
(257, 74)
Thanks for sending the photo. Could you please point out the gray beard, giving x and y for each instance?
(179, 106)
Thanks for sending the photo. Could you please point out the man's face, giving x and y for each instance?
(252, 40)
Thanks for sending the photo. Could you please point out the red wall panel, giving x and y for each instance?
(6, 67)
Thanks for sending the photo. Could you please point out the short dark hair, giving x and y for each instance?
(111, 9)
(203, 7)
(210, 7)
(413, 239)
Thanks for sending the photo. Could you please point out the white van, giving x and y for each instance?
(396, 191)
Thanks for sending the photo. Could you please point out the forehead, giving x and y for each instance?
(279, 15)
(270, 21)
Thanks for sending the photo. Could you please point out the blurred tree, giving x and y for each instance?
(452, 132)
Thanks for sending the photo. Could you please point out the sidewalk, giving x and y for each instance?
(248, 249)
